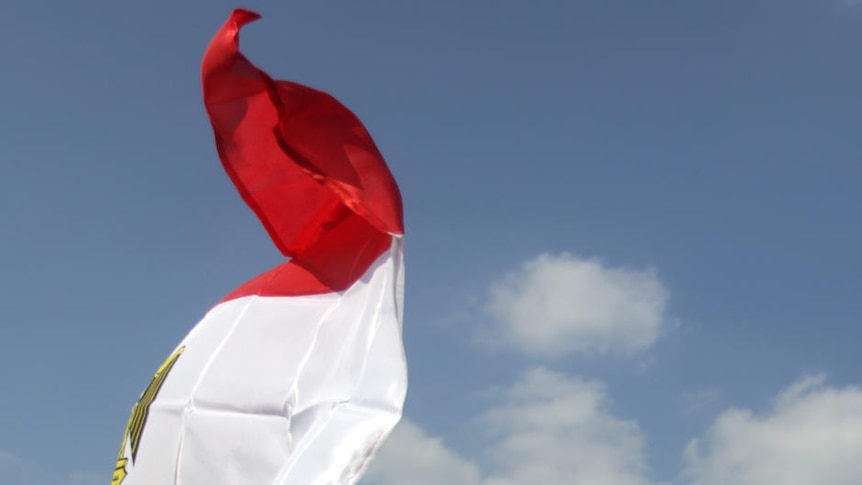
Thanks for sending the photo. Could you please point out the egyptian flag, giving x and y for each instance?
(297, 376)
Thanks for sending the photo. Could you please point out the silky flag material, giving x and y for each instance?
(297, 376)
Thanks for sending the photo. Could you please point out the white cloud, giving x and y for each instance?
(558, 430)
(410, 456)
(551, 430)
(811, 435)
(556, 305)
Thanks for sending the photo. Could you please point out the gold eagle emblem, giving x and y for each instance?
(138, 419)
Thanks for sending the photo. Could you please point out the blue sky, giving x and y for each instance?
(632, 228)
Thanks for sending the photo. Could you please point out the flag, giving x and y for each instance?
(298, 375)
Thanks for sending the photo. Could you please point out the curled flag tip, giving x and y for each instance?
(224, 44)
(241, 16)
(303, 162)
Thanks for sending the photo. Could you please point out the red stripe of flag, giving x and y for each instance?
(305, 165)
